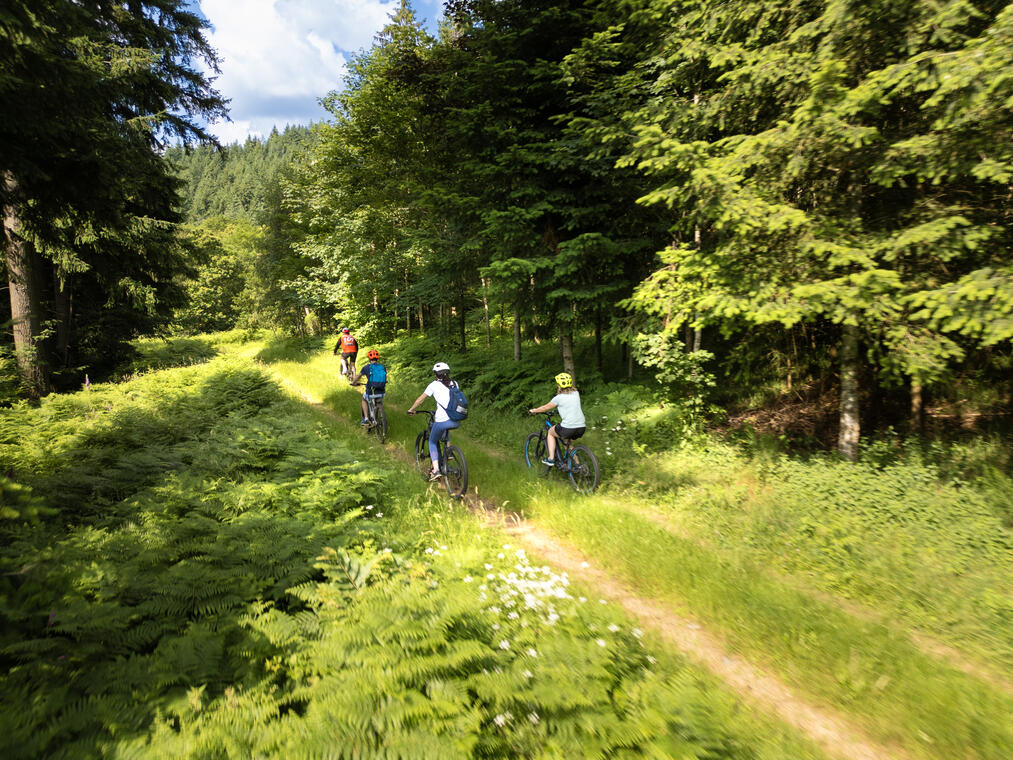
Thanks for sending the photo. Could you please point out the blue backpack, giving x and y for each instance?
(457, 407)
(377, 373)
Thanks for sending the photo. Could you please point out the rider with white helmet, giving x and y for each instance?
(439, 389)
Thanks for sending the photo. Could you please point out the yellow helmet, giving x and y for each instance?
(564, 380)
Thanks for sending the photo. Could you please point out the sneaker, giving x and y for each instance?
(435, 475)
(548, 462)
(363, 421)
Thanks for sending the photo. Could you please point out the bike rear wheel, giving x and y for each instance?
(455, 472)
(583, 470)
(422, 461)
(380, 421)
(535, 450)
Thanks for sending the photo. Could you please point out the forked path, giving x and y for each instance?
(835, 735)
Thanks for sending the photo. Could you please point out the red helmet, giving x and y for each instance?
(373, 354)
(344, 329)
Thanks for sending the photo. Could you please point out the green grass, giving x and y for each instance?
(210, 568)
(900, 540)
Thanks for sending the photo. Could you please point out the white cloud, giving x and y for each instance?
(279, 56)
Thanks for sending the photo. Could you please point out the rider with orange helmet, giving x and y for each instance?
(376, 381)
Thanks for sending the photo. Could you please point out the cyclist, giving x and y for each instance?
(439, 389)
(349, 350)
(572, 423)
(376, 381)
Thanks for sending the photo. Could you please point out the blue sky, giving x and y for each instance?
(278, 57)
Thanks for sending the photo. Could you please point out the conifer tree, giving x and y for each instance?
(88, 90)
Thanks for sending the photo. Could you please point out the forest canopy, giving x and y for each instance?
(804, 195)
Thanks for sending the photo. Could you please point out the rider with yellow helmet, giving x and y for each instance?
(572, 424)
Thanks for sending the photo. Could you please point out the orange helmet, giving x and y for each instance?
(373, 354)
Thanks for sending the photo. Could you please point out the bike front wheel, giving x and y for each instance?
(422, 462)
(583, 466)
(455, 472)
(535, 449)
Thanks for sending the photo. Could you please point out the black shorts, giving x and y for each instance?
(350, 356)
(571, 433)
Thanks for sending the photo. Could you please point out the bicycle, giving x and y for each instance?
(376, 419)
(451, 459)
(578, 462)
(348, 369)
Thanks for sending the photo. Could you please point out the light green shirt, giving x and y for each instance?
(569, 409)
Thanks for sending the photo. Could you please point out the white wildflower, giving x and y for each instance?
(532, 652)
(513, 616)
(600, 642)
(379, 514)
(581, 599)
(528, 674)
(429, 550)
(533, 717)
(637, 632)
(467, 579)
(651, 660)
(500, 720)
(585, 564)
(613, 627)
(504, 644)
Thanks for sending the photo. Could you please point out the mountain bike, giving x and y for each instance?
(451, 459)
(376, 419)
(578, 463)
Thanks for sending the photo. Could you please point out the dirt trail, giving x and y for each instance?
(761, 689)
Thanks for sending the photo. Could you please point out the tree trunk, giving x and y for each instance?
(697, 338)
(485, 305)
(460, 322)
(566, 346)
(599, 363)
(917, 406)
(24, 298)
(847, 440)
(61, 309)
(422, 319)
(517, 333)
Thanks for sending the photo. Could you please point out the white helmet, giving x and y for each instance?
(441, 367)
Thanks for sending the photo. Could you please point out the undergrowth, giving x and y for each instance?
(192, 567)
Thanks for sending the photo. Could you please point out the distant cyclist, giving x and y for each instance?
(439, 389)
(349, 350)
(376, 381)
(572, 423)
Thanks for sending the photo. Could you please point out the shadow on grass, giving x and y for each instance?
(291, 349)
(151, 568)
(174, 352)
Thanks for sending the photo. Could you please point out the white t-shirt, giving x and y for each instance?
(569, 409)
(441, 394)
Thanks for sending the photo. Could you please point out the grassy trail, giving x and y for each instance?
(858, 677)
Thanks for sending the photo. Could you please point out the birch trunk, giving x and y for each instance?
(517, 333)
(847, 440)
